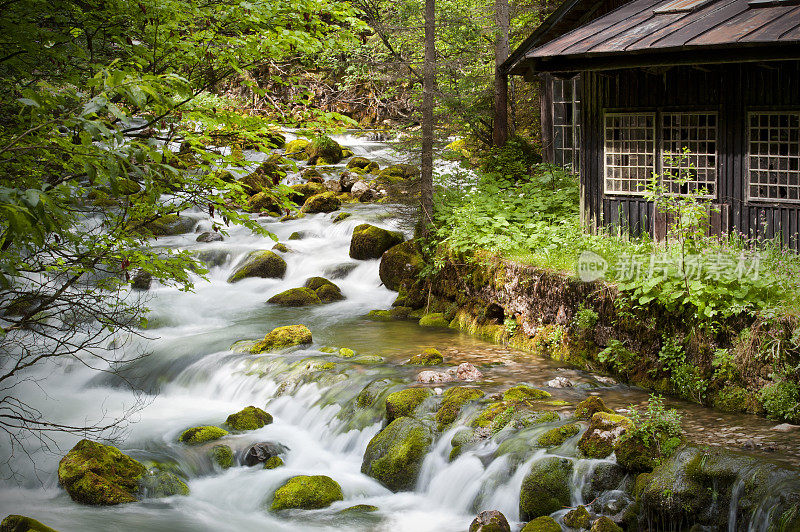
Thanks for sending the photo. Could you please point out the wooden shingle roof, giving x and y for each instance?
(666, 32)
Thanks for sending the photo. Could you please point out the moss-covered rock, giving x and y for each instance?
(163, 484)
(399, 171)
(401, 265)
(524, 393)
(326, 290)
(20, 523)
(304, 191)
(544, 523)
(222, 455)
(529, 419)
(325, 202)
(197, 435)
(264, 201)
(295, 297)
(429, 357)
(282, 337)
(434, 319)
(97, 474)
(249, 418)
(557, 436)
(605, 524)
(604, 429)
(452, 402)
(490, 521)
(637, 455)
(403, 403)
(168, 225)
(265, 264)
(346, 352)
(369, 242)
(578, 518)
(359, 509)
(307, 493)
(590, 406)
(283, 248)
(273, 462)
(546, 487)
(324, 148)
(296, 149)
(342, 216)
(364, 165)
(267, 175)
(394, 456)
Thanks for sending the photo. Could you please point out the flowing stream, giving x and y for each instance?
(192, 377)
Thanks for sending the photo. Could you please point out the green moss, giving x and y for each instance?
(295, 236)
(364, 165)
(282, 337)
(452, 402)
(163, 484)
(296, 149)
(359, 509)
(325, 202)
(434, 319)
(634, 454)
(544, 523)
(264, 201)
(368, 396)
(273, 462)
(97, 474)
(605, 524)
(169, 225)
(403, 403)
(307, 493)
(524, 393)
(781, 400)
(590, 406)
(20, 523)
(346, 352)
(546, 487)
(368, 359)
(370, 242)
(342, 216)
(380, 315)
(557, 436)
(578, 518)
(303, 191)
(324, 148)
(535, 418)
(222, 455)
(428, 357)
(197, 435)
(556, 402)
(295, 297)
(401, 265)
(264, 264)
(281, 247)
(250, 418)
(604, 429)
(394, 456)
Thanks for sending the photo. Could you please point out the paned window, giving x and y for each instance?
(689, 152)
(629, 152)
(774, 139)
(566, 122)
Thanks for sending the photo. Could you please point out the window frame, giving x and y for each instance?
(643, 113)
(746, 182)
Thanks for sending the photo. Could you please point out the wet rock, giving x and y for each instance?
(346, 352)
(340, 271)
(467, 372)
(197, 435)
(214, 257)
(249, 418)
(590, 406)
(261, 452)
(304, 191)
(359, 188)
(403, 403)
(785, 427)
(282, 337)
(209, 236)
(604, 524)
(363, 165)
(452, 402)
(296, 149)
(369, 195)
(20, 523)
(428, 357)
(559, 382)
(273, 462)
(608, 381)
(327, 291)
(546, 487)
(394, 456)
(263, 202)
(557, 436)
(97, 474)
(434, 377)
(400, 265)
(342, 216)
(490, 521)
(347, 180)
(295, 297)
(333, 185)
(325, 202)
(359, 509)
(311, 174)
(544, 523)
(142, 280)
(434, 319)
(369, 242)
(606, 476)
(578, 518)
(371, 392)
(294, 216)
(306, 493)
(163, 484)
(523, 392)
(267, 175)
(399, 172)
(604, 429)
(222, 455)
(297, 235)
(283, 248)
(169, 225)
(324, 150)
(264, 264)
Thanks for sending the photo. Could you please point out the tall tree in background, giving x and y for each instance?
(500, 123)
(428, 87)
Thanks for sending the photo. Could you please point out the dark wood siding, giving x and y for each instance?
(732, 90)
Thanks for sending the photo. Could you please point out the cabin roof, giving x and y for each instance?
(669, 32)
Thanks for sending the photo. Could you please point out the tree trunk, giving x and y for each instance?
(429, 81)
(500, 130)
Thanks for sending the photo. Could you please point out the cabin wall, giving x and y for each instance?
(731, 90)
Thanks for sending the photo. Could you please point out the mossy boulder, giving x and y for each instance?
(346, 352)
(249, 418)
(399, 172)
(97, 474)
(359, 509)
(20, 523)
(326, 290)
(222, 455)
(605, 524)
(304, 191)
(163, 484)
(604, 429)
(265, 264)
(522, 392)
(557, 436)
(452, 402)
(282, 337)
(273, 462)
(578, 518)
(296, 149)
(267, 175)
(283, 248)
(546, 487)
(403, 403)
(307, 493)
(363, 165)
(342, 216)
(434, 319)
(544, 523)
(590, 406)
(637, 455)
(401, 265)
(168, 225)
(394, 456)
(490, 521)
(198, 435)
(324, 150)
(370, 242)
(428, 357)
(295, 297)
(264, 201)
(325, 202)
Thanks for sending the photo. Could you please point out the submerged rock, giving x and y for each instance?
(394, 456)
(546, 487)
(222, 455)
(557, 436)
(163, 484)
(307, 493)
(295, 297)
(97, 474)
(401, 265)
(578, 518)
(434, 377)
(249, 418)
(260, 453)
(359, 509)
(434, 319)
(209, 236)
(264, 264)
(142, 280)
(544, 523)
(403, 403)
(342, 216)
(467, 372)
(559, 382)
(590, 406)
(20, 523)
(490, 521)
(281, 337)
(428, 357)
(369, 242)
(197, 435)
(522, 392)
(325, 202)
(604, 429)
(452, 402)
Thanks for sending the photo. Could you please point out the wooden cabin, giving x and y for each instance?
(627, 86)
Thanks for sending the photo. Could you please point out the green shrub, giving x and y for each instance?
(657, 427)
(585, 318)
(780, 400)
